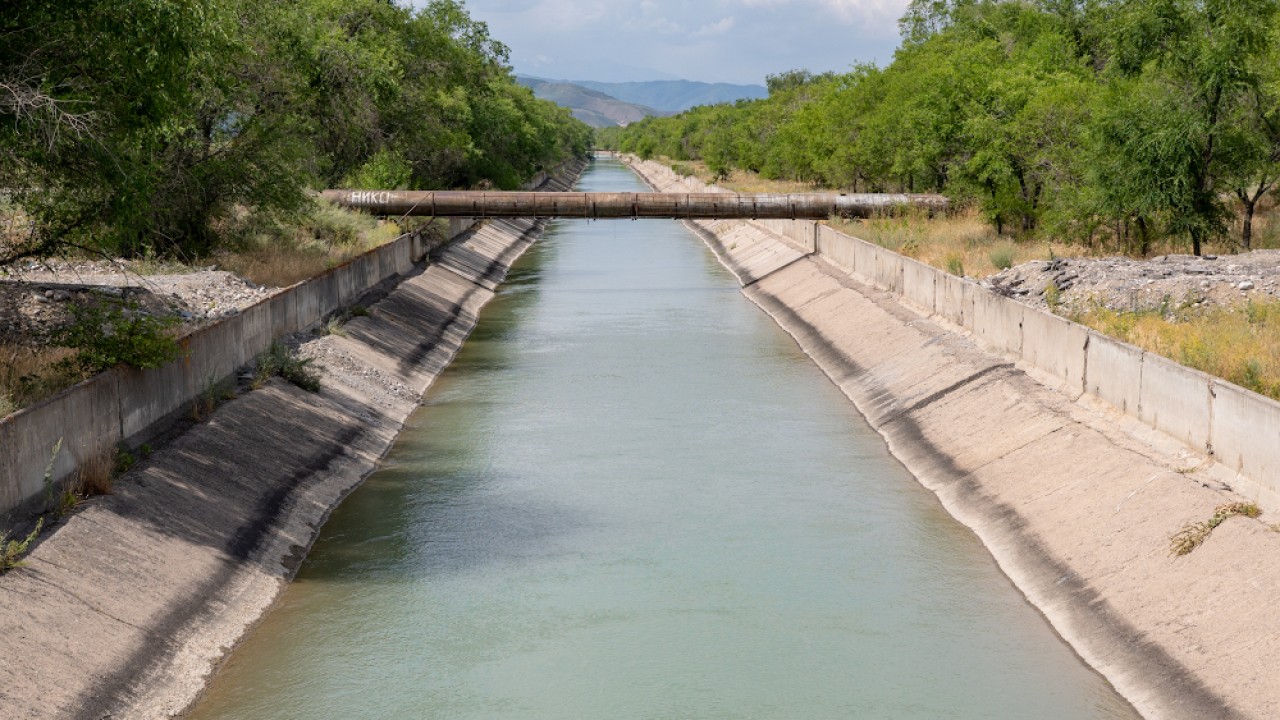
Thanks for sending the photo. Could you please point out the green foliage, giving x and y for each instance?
(280, 360)
(135, 127)
(1002, 257)
(1113, 121)
(11, 551)
(109, 333)
(124, 460)
(955, 265)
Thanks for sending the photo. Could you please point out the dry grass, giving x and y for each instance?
(1240, 344)
(739, 180)
(279, 253)
(961, 244)
(29, 375)
(1192, 535)
(95, 475)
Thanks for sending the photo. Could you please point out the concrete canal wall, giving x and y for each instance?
(130, 605)
(1074, 457)
(127, 406)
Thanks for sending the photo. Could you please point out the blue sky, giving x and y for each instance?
(739, 41)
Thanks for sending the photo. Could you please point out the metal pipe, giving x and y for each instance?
(482, 204)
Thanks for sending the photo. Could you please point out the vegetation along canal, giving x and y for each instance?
(632, 496)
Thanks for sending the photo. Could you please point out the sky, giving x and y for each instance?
(736, 41)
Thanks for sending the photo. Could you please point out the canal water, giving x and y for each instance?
(632, 496)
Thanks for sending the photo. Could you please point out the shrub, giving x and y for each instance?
(1002, 257)
(955, 265)
(279, 360)
(107, 334)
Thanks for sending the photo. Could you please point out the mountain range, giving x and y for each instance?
(604, 104)
(590, 106)
(674, 96)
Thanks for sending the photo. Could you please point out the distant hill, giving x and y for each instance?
(673, 96)
(592, 107)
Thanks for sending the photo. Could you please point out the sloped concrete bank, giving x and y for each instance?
(1075, 500)
(130, 606)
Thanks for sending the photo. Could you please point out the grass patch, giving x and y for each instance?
(12, 551)
(333, 326)
(1193, 535)
(1239, 344)
(280, 251)
(280, 360)
(213, 394)
(1002, 256)
(29, 375)
(957, 243)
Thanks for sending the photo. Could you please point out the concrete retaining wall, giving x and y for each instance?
(129, 406)
(1076, 501)
(1239, 428)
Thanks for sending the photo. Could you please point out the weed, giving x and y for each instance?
(1052, 297)
(1274, 527)
(359, 311)
(11, 551)
(1192, 535)
(955, 264)
(69, 499)
(7, 405)
(124, 461)
(333, 327)
(213, 394)
(49, 493)
(279, 360)
(145, 450)
(97, 473)
(1002, 257)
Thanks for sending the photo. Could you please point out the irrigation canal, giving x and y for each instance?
(632, 496)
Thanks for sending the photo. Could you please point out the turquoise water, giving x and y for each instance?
(632, 496)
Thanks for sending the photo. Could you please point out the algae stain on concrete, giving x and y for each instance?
(633, 497)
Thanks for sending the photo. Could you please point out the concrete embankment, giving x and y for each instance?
(132, 603)
(1075, 499)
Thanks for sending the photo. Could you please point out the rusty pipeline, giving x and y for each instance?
(599, 206)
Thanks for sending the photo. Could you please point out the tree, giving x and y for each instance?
(1192, 66)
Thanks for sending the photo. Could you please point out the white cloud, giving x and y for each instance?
(730, 40)
(720, 27)
(845, 11)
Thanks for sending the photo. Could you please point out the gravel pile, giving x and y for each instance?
(1167, 283)
(35, 298)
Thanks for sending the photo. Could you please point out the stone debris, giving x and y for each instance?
(35, 296)
(1165, 283)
